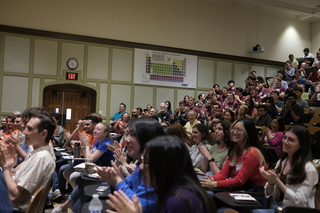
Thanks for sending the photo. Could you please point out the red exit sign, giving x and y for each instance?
(72, 76)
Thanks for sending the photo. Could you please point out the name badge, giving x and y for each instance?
(238, 167)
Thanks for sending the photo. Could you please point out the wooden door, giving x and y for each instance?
(72, 101)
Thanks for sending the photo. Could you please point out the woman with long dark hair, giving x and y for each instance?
(168, 104)
(141, 130)
(215, 157)
(252, 113)
(185, 100)
(243, 161)
(273, 137)
(178, 190)
(293, 180)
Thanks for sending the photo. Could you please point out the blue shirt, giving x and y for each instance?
(107, 156)
(135, 184)
(301, 81)
(118, 115)
(5, 205)
(283, 83)
(25, 148)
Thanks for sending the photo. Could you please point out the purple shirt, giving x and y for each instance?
(232, 105)
(263, 92)
(182, 199)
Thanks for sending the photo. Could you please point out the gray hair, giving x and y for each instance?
(192, 111)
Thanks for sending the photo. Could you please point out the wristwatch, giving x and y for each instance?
(211, 160)
(2, 169)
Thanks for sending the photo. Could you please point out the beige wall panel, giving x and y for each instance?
(103, 99)
(315, 37)
(240, 74)
(35, 92)
(122, 64)
(271, 72)
(205, 73)
(224, 73)
(92, 84)
(45, 57)
(143, 95)
(98, 62)
(72, 50)
(181, 93)
(16, 54)
(119, 94)
(14, 99)
(49, 81)
(163, 95)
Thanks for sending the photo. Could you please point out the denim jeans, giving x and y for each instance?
(58, 181)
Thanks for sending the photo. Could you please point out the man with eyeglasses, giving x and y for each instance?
(216, 116)
(293, 113)
(264, 119)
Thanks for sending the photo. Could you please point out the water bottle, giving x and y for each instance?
(95, 205)
(310, 91)
(76, 150)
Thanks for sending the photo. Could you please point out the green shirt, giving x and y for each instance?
(219, 156)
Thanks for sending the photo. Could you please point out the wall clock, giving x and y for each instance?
(72, 63)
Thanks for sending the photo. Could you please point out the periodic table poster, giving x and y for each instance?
(165, 68)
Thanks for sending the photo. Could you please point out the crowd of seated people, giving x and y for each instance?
(230, 132)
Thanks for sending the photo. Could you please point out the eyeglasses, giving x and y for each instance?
(236, 130)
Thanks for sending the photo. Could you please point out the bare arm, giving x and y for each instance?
(9, 159)
(207, 156)
(87, 152)
(75, 133)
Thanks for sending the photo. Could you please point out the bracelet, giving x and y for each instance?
(211, 160)
(2, 169)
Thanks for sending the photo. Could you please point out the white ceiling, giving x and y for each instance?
(300, 10)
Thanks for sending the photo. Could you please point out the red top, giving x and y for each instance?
(314, 77)
(249, 171)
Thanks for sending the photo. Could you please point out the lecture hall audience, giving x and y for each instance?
(234, 116)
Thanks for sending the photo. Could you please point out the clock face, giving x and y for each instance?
(72, 63)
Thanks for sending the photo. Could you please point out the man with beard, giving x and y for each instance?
(181, 116)
(164, 115)
(293, 113)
